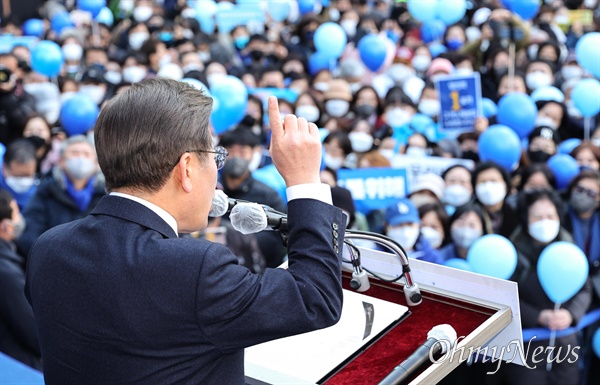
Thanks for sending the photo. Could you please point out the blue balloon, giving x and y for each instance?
(458, 263)
(372, 50)
(422, 10)
(585, 96)
(517, 111)
(548, 93)
(232, 97)
(432, 30)
(423, 124)
(306, 6)
(2, 151)
(92, 6)
(596, 342)
(78, 115)
(493, 255)
(587, 53)
(437, 48)
(562, 270)
(565, 168)
(47, 58)
(279, 10)
(33, 27)
(451, 11)
(271, 177)
(105, 16)
(60, 21)
(527, 9)
(320, 61)
(489, 107)
(330, 39)
(568, 145)
(502, 145)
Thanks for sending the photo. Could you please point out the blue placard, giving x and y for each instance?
(374, 188)
(7, 42)
(227, 19)
(460, 98)
(15, 373)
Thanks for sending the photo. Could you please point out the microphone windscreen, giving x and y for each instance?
(443, 332)
(220, 204)
(248, 218)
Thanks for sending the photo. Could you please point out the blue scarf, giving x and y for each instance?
(591, 245)
(81, 197)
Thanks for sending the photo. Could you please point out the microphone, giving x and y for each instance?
(439, 340)
(220, 204)
(249, 217)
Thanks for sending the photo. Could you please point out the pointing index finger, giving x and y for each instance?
(275, 118)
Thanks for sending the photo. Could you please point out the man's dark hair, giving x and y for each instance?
(240, 136)
(141, 133)
(20, 151)
(5, 209)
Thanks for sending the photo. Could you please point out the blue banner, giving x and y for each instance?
(8, 42)
(374, 188)
(243, 14)
(460, 98)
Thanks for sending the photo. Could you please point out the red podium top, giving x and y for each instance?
(378, 360)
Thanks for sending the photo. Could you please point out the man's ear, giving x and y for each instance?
(183, 171)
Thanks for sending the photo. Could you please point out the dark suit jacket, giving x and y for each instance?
(118, 298)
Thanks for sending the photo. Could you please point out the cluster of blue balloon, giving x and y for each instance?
(527, 9)
(330, 41)
(78, 115)
(491, 255)
(500, 144)
(92, 6)
(47, 58)
(448, 11)
(231, 98)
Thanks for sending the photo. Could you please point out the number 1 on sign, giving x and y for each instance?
(455, 101)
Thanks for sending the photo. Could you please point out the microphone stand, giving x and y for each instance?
(411, 289)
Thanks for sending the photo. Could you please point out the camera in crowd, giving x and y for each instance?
(5, 74)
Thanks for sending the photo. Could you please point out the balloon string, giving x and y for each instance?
(587, 126)
(552, 341)
(95, 33)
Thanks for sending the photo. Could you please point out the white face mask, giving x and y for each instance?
(255, 162)
(337, 107)
(188, 13)
(113, 77)
(333, 162)
(349, 26)
(192, 67)
(596, 142)
(545, 121)
(430, 107)
(456, 195)
(361, 141)
(134, 74)
(79, 168)
(537, 79)
(20, 184)
(142, 13)
(544, 231)
(463, 237)
(571, 72)
(473, 33)
(463, 71)
(421, 62)
(47, 100)
(387, 153)
(204, 56)
(166, 59)
(490, 193)
(72, 51)
(137, 39)
(406, 236)
(416, 152)
(432, 236)
(321, 86)
(96, 93)
(66, 96)
(308, 112)
(214, 78)
(397, 117)
(126, 5)
(400, 72)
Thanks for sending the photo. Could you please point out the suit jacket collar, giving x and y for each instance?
(134, 212)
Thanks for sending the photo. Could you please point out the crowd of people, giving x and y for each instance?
(50, 177)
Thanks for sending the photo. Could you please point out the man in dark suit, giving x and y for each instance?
(119, 298)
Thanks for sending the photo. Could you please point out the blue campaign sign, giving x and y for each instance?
(374, 188)
(460, 97)
(243, 14)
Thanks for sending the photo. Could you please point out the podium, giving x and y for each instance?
(484, 311)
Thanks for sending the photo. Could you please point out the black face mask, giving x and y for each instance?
(248, 121)
(235, 167)
(256, 55)
(365, 110)
(471, 155)
(538, 156)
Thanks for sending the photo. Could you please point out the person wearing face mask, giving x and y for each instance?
(337, 98)
(403, 225)
(69, 192)
(467, 224)
(308, 107)
(429, 103)
(399, 110)
(157, 54)
(18, 171)
(540, 225)
(543, 142)
(18, 334)
(427, 188)
(455, 37)
(434, 224)
(238, 183)
(72, 52)
(94, 85)
(539, 73)
(366, 104)
(360, 136)
(458, 189)
(491, 184)
(337, 147)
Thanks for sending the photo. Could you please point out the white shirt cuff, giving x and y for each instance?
(318, 191)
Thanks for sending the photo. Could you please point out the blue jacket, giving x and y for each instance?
(21, 198)
(425, 252)
(120, 299)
